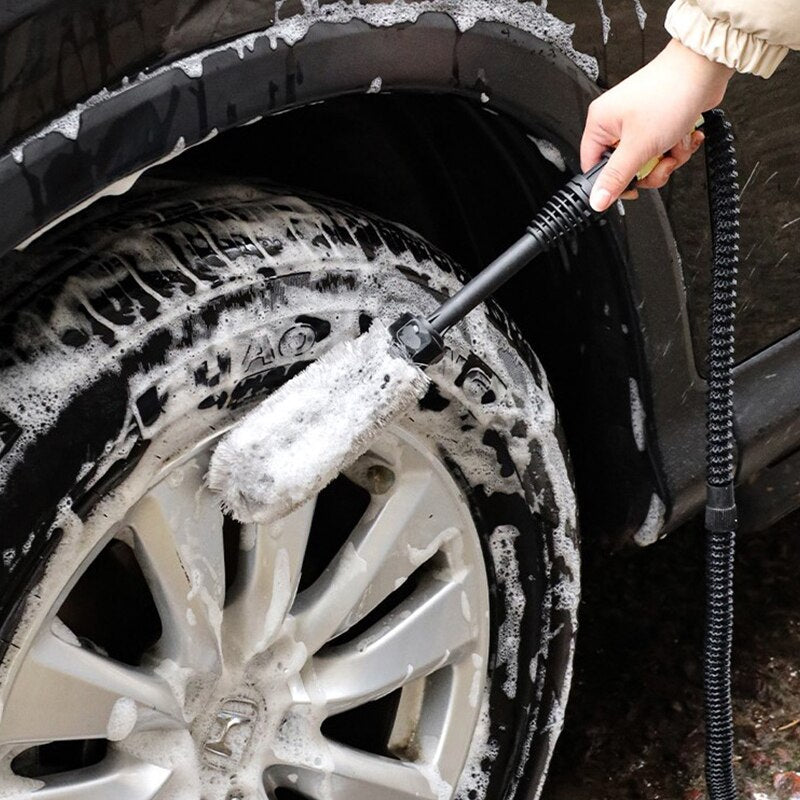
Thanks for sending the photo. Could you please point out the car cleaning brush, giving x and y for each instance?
(303, 435)
(296, 441)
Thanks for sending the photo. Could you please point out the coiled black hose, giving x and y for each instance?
(723, 188)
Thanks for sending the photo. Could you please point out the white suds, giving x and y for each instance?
(637, 415)
(641, 14)
(466, 612)
(501, 544)
(176, 754)
(653, 523)
(176, 677)
(605, 20)
(122, 720)
(439, 786)
(192, 66)
(530, 17)
(375, 86)
(550, 152)
(478, 680)
(419, 555)
(70, 124)
(474, 780)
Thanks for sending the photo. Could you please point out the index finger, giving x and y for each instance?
(592, 149)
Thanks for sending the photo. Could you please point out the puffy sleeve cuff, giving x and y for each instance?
(719, 41)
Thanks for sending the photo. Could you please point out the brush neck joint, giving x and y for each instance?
(418, 339)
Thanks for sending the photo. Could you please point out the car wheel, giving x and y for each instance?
(408, 633)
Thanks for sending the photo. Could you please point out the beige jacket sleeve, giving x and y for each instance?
(748, 35)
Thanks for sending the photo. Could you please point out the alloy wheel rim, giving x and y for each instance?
(234, 699)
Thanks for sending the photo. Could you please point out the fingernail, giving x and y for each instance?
(686, 141)
(600, 199)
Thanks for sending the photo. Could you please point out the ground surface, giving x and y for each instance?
(634, 726)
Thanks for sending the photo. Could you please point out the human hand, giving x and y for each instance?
(649, 113)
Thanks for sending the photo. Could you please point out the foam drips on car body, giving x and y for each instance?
(530, 17)
(650, 530)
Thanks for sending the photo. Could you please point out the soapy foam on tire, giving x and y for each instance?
(502, 544)
(522, 400)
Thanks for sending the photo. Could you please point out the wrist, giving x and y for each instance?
(711, 77)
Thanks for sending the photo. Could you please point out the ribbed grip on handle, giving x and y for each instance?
(568, 210)
(564, 213)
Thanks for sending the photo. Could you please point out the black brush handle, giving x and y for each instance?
(567, 211)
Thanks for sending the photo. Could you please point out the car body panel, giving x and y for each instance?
(116, 120)
(764, 115)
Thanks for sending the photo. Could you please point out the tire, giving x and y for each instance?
(143, 339)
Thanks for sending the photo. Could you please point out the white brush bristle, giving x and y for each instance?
(301, 437)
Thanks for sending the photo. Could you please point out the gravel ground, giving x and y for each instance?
(634, 725)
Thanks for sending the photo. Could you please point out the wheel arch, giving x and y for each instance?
(102, 143)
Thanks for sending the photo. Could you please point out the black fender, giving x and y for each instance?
(101, 143)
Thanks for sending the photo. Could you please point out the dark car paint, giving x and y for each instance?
(133, 128)
(55, 53)
(764, 115)
(98, 43)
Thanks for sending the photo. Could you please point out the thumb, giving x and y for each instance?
(616, 176)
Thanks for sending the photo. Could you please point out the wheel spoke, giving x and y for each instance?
(426, 632)
(349, 774)
(266, 582)
(65, 691)
(398, 532)
(118, 775)
(178, 542)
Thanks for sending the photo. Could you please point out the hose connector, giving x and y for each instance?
(721, 511)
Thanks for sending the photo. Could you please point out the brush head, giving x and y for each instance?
(301, 437)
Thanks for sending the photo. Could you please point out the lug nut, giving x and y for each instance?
(380, 479)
